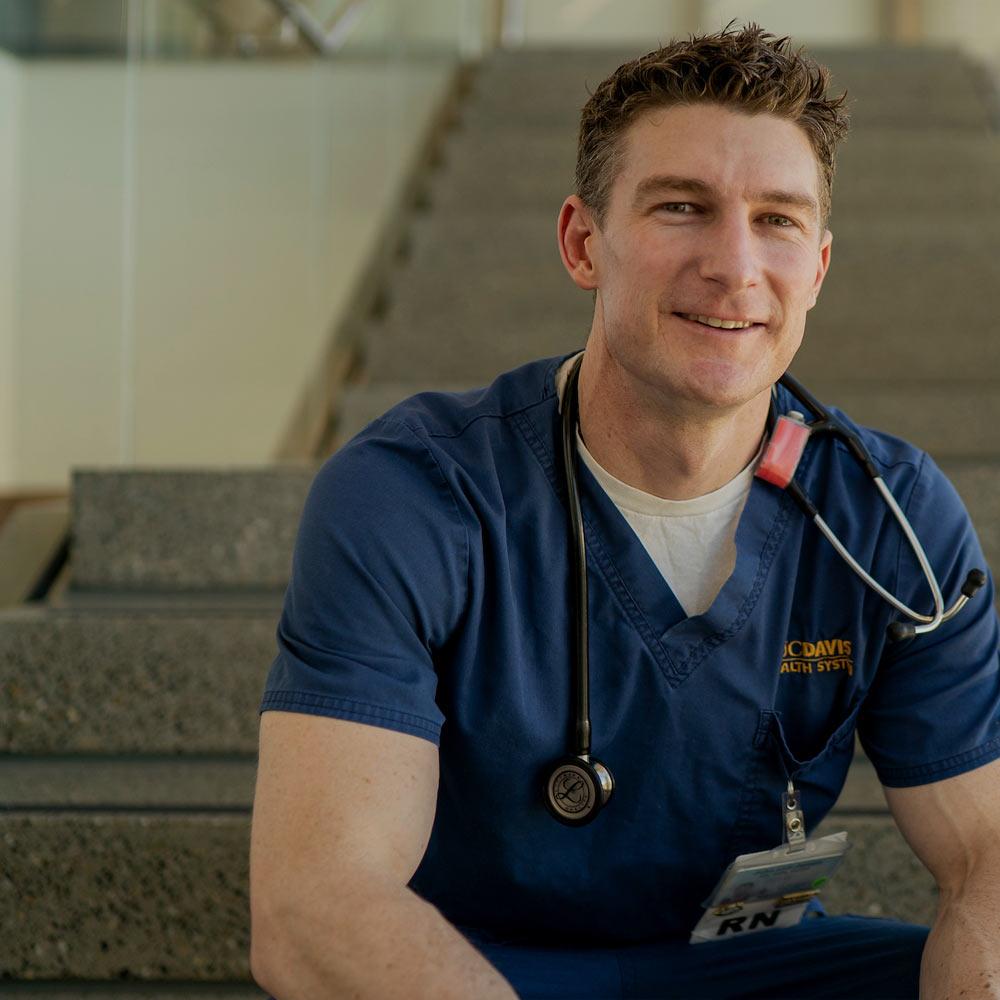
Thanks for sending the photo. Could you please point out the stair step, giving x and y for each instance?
(947, 419)
(146, 784)
(112, 895)
(132, 683)
(164, 896)
(185, 530)
(161, 784)
(881, 876)
(941, 90)
(886, 175)
(914, 301)
(878, 315)
(130, 989)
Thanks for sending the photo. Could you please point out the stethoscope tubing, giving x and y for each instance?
(583, 771)
(825, 422)
(578, 544)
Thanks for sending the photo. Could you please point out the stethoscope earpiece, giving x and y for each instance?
(578, 788)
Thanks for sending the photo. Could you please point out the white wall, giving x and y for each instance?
(808, 21)
(596, 22)
(651, 22)
(259, 191)
(971, 24)
(70, 260)
(10, 97)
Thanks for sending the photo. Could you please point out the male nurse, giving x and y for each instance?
(423, 686)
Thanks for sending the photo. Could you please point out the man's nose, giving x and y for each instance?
(731, 255)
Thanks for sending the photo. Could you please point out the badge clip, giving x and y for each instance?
(793, 819)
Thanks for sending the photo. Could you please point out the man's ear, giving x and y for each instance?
(822, 264)
(574, 229)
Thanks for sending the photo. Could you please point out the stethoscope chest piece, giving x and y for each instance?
(577, 789)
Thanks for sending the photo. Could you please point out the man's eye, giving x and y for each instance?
(678, 207)
(779, 220)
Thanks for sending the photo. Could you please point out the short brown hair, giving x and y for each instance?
(748, 69)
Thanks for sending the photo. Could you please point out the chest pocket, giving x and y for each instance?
(772, 762)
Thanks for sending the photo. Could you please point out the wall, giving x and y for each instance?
(649, 22)
(71, 269)
(9, 146)
(251, 195)
(972, 24)
(808, 21)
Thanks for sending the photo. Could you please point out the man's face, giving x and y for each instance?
(713, 216)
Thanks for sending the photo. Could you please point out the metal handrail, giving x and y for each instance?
(326, 41)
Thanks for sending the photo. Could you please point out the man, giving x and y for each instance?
(431, 607)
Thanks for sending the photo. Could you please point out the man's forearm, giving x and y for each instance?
(379, 943)
(962, 954)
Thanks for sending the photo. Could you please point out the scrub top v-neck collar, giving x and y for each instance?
(678, 643)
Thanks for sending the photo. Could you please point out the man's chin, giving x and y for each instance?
(724, 391)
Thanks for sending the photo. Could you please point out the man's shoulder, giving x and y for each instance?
(432, 444)
(888, 451)
(919, 485)
(439, 416)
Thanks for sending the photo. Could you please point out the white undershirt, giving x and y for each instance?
(692, 542)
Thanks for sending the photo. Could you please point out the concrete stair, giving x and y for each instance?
(911, 256)
(128, 701)
(128, 736)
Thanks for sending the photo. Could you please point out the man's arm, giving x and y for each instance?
(342, 817)
(953, 827)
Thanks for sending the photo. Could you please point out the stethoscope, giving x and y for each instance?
(579, 785)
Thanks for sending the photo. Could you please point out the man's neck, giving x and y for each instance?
(672, 451)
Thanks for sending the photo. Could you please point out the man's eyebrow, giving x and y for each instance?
(661, 183)
(793, 198)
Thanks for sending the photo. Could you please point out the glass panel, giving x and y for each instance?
(191, 197)
(65, 88)
(262, 187)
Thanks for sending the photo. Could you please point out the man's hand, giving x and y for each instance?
(342, 816)
(953, 827)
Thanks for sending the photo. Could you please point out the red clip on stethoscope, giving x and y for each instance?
(578, 785)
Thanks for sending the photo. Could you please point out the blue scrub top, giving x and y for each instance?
(431, 594)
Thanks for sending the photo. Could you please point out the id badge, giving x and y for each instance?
(768, 889)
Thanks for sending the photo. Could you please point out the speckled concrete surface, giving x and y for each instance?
(881, 876)
(107, 897)
(160, 896)
(871, 312)
(132, 990)
(879, 175)
(132, 683)
(62, 782)
(923, 90)
(195, 530)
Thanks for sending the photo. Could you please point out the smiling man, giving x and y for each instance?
(450, 801)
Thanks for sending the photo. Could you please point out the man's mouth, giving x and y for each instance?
(717, 323)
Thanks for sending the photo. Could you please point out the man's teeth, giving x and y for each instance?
(722, 324)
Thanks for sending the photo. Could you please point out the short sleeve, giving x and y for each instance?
(933, 710)
(378, 583)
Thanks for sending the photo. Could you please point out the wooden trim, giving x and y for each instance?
(10, 501)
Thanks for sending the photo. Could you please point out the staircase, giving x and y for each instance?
(128, 700)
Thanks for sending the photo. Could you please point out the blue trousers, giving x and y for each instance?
(822, 958)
